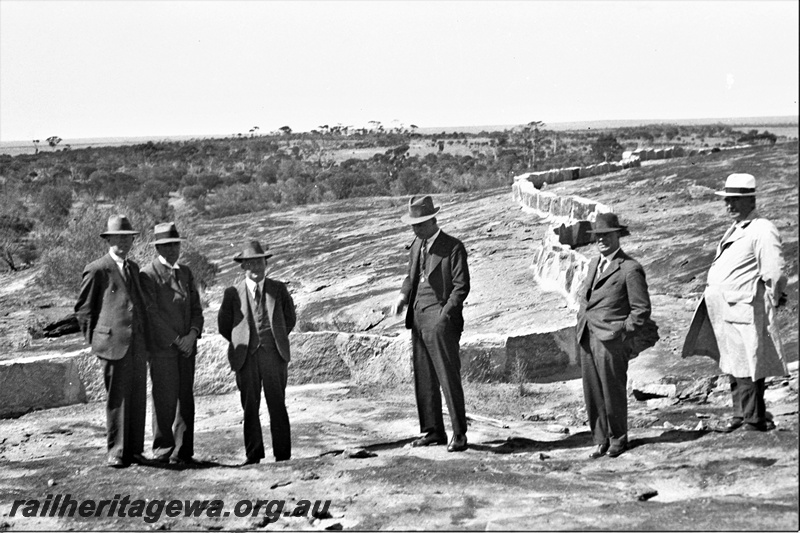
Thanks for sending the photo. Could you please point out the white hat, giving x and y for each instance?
(739, 185)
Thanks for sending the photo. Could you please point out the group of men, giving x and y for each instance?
(131, 317)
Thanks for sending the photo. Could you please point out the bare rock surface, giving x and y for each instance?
(527, 467)
(352, 447)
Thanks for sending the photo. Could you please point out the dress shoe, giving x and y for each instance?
(732, 425)
(431, 439)
(458, 444)
(161, 459)
(183, 461)
(767, 425)
(117, 462)
(618, 448)
(139, 459)
(600, 451)
(251, 461)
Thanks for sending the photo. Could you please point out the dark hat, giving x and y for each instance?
(739, 185)
(419, 210)
(608, 223)
(251, 250)
(166, 233)
(119, 225)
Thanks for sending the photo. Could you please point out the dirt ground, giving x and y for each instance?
(527, 467)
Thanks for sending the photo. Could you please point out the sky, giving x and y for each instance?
(91, 68)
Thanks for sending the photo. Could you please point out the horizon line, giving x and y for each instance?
(788, 120)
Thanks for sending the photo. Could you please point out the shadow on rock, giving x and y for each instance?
(671, 436)
(381, 446)
(522, 444)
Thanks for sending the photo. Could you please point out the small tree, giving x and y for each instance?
(606, 147)
(286, 130)
(53, 204)
(14, 231)
(53, 141)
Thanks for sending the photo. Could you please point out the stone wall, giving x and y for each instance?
(557, 267)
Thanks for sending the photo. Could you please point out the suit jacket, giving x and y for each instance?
(237, 323)
(105, 307)
(447, 274)
(173, 305)
(617, 303)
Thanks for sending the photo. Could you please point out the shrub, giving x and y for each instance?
(65, 253)
(205, 272)
(14, 231)
(53, 204)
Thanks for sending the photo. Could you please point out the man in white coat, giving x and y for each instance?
(735, 321)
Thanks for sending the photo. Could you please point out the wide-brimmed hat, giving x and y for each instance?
(608, 223)
(251, 250)
(420, 209)
(739, 185)
(166, 233)
(119, 225)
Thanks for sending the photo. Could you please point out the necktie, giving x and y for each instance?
(258, 297)
(423, 259)
(602, 266)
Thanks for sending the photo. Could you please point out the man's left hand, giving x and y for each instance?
(782, 300)
(186, 343)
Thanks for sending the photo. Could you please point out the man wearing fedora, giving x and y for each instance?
(111, 314)
(256, 317)
(173, 304)
(735, 320)
(614, 305)
(435, 287)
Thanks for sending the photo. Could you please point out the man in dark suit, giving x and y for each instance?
(434, 289)
(173, 303)
(256, 317)
(111, 313)
(614, 305)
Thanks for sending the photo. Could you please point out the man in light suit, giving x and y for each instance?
(111, 314)
(735, 320)
(256, 317)
(614, 305)
(434, 289)
(173, 304)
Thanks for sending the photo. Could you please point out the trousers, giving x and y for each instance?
(604, 369)
(265, 369)
(173, 406)
(125, 381)
(748, 400)
(437, 365)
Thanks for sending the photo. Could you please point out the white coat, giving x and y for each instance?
(735, 320)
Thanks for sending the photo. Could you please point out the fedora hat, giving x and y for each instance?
(739, 185)
(166, 233)
(119, 225)
(608, 223)
(251, 250)
(420, 209)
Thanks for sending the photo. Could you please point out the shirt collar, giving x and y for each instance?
(610, 257)
(117, 259)
(430, 241)
(166, 263)
(251, 285)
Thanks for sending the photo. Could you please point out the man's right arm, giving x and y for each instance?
(225, 315)
(405, 292)
(769, 258)
(88, 305)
